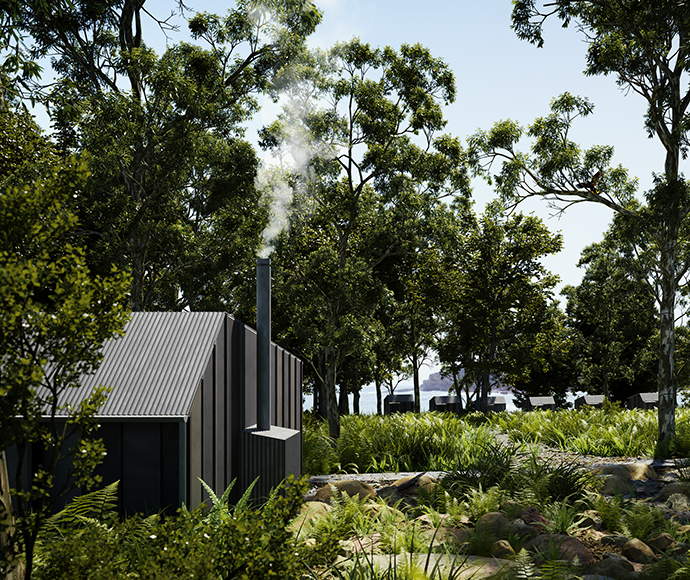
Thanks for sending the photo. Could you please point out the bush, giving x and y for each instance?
(251, 543)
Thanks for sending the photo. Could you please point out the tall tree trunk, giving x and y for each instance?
(7, 540)
(415, 368)
(356, 393)
(379, 401)
(666, 375)
(343, 400)
(330, 398)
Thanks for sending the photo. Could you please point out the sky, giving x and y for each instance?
(498, 77)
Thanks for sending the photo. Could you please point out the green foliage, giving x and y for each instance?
(399, 442)
(56, 315)
(642, 521)
(614, 316)
(246, 543)
(601, 432)
(494, 289)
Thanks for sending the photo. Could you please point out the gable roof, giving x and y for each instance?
(155, 368)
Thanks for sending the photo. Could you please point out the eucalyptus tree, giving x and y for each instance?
(497, 296)
(614, 315)
(363, 130)
(55, 316)
(172, 195)
(645, 46)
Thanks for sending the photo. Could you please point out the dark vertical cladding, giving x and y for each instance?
(263, 347)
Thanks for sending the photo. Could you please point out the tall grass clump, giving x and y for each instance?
(398, 442)
(607, 432)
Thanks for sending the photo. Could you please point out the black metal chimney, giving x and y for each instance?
(263, 347)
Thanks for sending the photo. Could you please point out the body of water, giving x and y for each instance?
(367, 400)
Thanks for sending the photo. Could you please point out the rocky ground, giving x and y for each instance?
(601, 555)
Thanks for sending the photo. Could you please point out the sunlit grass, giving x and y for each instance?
(439, 442)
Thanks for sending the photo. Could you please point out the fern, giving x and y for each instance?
(97, 506)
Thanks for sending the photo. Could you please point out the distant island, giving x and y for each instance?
(437, 383)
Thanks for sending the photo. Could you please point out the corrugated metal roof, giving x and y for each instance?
(155, 369)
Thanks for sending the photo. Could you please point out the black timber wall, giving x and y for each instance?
(225, 405)
(159, 461)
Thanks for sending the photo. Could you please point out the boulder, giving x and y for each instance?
(390, 494)
(678, 502)
(612, 566)
(614, 484)
(381, 511)
(590, 519)
(681, 487)
(309, 511)
(520, 529)
(569, 548)
(661, 542)
(425, 482)
(532, 517)
(351, 487)
(494, 523)
(637, 551)
(614, 540)
(635, 471)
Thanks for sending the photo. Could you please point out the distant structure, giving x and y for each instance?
(398, 404)
(643, 401)
(495, 403)
(446, 404)
(590, 400)
(540, 403)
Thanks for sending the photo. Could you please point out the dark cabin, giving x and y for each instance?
(540, 403)
(643, 401)
(495, 403)
(398, 404)
(183, 392)
(590, 400)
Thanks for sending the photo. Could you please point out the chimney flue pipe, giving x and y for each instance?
(263, 347)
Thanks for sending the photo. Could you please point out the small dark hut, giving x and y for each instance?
(590, 400)
(184, 390)
(643, 401)
(540, 403)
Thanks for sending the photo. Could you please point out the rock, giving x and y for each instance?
(425, 482)
(614, 484)
(349, 486)
(614, 540)
(678, 549)
(635, 471)
(590, 519)
(567, 547)
(678, 502)
(442, 535)
(502, 549)
(532, 517)
(426, 521)
(661, 542)
(612, 566)
(681, 487)
(521, 530)
(494, 523)
(310, 543)
(309, 511)
(367, 544)
(390, 494)
(637, 551)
